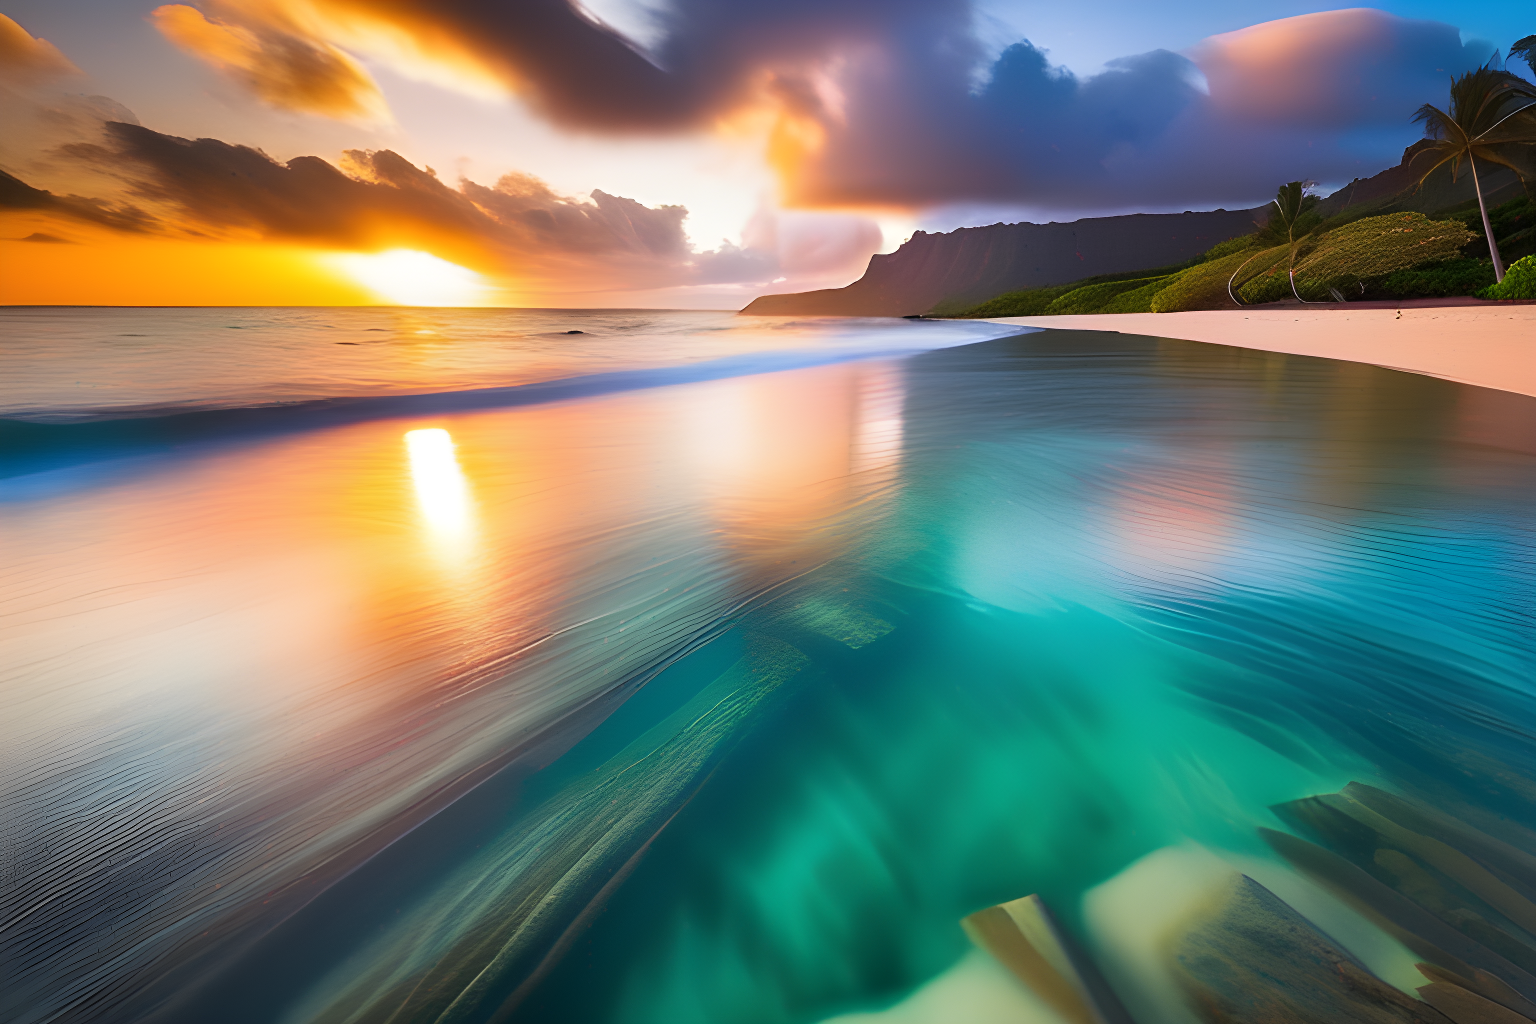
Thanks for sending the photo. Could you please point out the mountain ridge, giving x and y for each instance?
(946, 272)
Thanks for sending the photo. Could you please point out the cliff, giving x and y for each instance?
(970, 265)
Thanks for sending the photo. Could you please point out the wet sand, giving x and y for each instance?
(1493, 346)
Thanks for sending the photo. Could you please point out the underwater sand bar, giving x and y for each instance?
(1490, 346)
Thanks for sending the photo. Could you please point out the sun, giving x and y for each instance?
(407, 277)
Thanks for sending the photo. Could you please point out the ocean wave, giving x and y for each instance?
(52, 439)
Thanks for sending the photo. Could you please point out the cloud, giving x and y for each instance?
(24, 60)
(17, 195)
(1322, 96)
(518, 229)
(711, 60)
(1337, 69)
(811, 243)
(281, 68)
(892, 102)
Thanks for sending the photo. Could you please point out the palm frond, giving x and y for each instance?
(1448, 153)
(1437, 123)
(1525, 49)
(1520, 158)
(1517, 126)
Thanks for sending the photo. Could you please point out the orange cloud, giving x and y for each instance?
(379, 200)
(1327, 69)
(555, 56)
(16, 195)
(25, 59)
(281, 68)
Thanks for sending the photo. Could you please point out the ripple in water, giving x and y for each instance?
(724, 701)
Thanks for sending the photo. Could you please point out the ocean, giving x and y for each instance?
(445, 665)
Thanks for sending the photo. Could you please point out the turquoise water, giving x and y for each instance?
(1142, 591)
(724, 699)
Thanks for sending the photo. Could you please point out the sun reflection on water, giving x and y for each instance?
(442, 493)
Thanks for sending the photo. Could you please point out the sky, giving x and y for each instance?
(682, 154)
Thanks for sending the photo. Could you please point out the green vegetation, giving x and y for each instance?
(1242, 243)
(1027, 302)
(1137, 300)
(1518, 283)
(1514, 224)
(1462, 276)
(1344, 259)
(1094, 297)
(1205, 286)
(1514, 217)
(1036, 301)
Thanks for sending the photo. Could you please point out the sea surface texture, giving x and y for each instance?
(444, 666)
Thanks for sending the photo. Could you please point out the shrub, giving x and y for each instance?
(1507, 218)
(1092, 298)
(1268, 279)
(1521, 243)
(1451, 277)
(1375, 247)
(1205, 286)
(1137, 300)
(1358, 211)
(1242, 243)
(1034, 301)
(1519, 282)
(1028, 302)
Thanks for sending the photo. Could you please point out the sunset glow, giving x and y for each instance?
(404, 277)
(96, 267)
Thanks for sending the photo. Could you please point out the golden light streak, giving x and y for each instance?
(442, 493)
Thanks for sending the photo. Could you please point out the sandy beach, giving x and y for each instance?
(1491, 346)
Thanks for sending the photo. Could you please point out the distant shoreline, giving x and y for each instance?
(1491, 345)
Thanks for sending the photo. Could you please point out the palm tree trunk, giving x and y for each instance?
(1493, 247)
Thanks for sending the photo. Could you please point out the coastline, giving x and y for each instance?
(1492, 346)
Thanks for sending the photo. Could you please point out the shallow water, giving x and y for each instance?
(716, 699)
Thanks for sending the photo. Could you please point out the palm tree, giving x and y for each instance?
(1293, 202)
(1492, 118)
